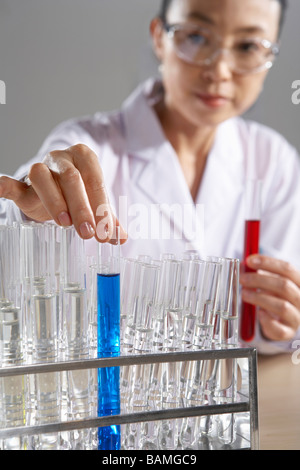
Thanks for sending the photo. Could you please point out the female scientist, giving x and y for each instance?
(177, 156)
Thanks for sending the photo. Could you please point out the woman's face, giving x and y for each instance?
(211, 94)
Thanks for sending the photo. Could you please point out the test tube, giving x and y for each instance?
(108, 291)
(251, 246)
(11, 320)
(198, 371)
(222, 383)
(78, 386)
(10, 281)
(39, 290)
(92, 305)
(44, 292)
(144, 311)
(44, 388)
(12, 409)
(144, 325)
(193, 300)
(74, 312)
(207, 304)
(26, 259)
(12, 389)
(129, 284)
(169, 296)
(57, 236)
(228, 305)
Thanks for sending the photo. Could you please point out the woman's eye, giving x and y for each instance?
(196, 38)
(247, 47)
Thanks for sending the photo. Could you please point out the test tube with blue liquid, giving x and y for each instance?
(108, 344)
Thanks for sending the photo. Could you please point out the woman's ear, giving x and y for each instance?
(156, 31)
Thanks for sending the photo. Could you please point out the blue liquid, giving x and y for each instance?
(108, 291)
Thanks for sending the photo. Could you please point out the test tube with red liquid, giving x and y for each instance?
(251, 247)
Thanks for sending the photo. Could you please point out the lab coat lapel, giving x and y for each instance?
(223, 176)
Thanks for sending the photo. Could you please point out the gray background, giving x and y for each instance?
(65, 58)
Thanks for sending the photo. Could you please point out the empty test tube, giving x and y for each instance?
(43, 293)
(193, 300)
(12, 389)
(78, 386)
(41, 300)
(129, 285)
(143, 319)
(39, 291)
(223, 379)
(11, 319)
(74, 326)
(169, 295)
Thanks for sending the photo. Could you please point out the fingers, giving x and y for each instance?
(279, 308)
(274, 266)
(49, 193)
(91, 173)
(275, 289)
(276, 286)
(61, 188)
(70, 185)
(273, 329)
(92, 177)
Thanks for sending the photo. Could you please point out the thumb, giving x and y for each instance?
(24, 197)
(12, 189)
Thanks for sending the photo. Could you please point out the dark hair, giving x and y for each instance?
(166, 3)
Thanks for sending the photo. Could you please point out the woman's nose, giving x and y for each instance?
(219, 67)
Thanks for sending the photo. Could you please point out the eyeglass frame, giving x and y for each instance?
(274, 47)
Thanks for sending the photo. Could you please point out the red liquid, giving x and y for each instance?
(251, 247)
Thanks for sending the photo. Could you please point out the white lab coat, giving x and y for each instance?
(150, 195)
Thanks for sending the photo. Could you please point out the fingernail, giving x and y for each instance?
(86, 230)
(64, 219)
(255, 260)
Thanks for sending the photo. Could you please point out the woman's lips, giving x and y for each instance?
(213, 101)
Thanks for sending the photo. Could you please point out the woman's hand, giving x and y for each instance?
(275, 289)
(67, 187)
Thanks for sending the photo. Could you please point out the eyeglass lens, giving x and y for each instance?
(200, 46)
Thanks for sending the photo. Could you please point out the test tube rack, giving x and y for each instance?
(247, 402)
